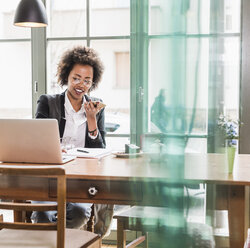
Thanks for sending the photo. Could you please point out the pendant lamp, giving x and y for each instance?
(30, 13)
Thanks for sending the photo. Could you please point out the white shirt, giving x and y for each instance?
(76, 123)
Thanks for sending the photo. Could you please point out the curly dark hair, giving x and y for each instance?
(83, 56)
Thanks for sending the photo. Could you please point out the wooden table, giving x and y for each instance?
(135, 181)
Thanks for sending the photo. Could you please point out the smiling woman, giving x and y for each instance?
(79, 119)
(80, 69)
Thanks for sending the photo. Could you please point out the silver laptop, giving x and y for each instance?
(31, 141)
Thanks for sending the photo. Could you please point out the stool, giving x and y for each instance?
(132, 219)
(144, 219)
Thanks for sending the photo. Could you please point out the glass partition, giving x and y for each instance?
(186, 72)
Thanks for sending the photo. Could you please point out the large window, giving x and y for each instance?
(193, 68)
(15, 64)
(206, 33)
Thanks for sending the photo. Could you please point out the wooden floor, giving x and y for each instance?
(108, 246)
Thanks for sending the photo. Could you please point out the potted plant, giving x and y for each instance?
(230, 130)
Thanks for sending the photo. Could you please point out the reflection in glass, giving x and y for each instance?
(15, 83)
(198, 74)
(159, 112)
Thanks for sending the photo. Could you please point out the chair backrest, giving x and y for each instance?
(57, 172)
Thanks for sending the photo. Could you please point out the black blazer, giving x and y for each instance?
(52, 106)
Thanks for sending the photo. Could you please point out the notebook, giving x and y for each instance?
(31, 141)
(81, 152)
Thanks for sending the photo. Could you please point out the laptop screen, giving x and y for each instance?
(30, 141)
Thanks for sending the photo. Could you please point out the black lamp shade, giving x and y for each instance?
(31, 13)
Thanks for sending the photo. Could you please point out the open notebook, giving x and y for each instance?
(81, 152)
(31, 141)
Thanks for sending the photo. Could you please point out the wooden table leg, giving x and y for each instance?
(1, 219)
(121, 235)
(19, 216)
(238, 215)
(91, 221)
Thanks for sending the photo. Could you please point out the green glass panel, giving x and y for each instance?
(185, 64)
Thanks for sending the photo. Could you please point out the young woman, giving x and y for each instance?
(81, 70)
(79, 120)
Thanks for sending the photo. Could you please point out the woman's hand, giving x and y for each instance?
(91, 112)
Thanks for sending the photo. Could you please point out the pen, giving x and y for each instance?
(80, 150)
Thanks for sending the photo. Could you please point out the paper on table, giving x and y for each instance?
(89, 152)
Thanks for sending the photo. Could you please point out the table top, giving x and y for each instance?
(210, 168)
(213, 168)
(204, 168)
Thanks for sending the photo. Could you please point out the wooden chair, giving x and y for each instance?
(42, 234)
